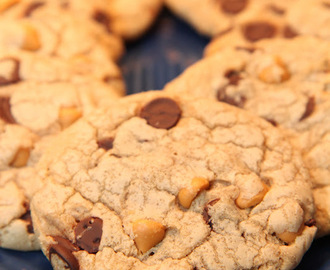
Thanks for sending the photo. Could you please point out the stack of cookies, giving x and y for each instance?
(227, 168)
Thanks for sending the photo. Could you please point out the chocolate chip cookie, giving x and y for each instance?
(280, 19)
(163, 181)
(284, 81)
(53, 31)
(125, 18)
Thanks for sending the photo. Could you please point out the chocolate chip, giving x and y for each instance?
(272, 121)
(310, 223)
(289, 32)
(277, 10)
(206, 215)
(88, 234)
(102, 18)
(233, 76)
(5, 111)
(223, 97)
(32, 7)
(27, 218)
(255, 31)
(13, 73)
(64, 249)
(233, 6)
(325, 4)
(161, 113)
(106, 143)
(310, 106)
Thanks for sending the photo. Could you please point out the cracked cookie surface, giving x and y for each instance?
(285, 82)
(159, 181)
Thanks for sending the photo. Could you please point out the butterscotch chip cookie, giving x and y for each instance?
(18, 66)
(54, 31)
(162, 181)
(20, 149)
(286, 82)
(127, 19)
(269, 19)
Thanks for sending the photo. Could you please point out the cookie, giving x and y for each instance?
(284, 19)
(20, 149)
(283, 81)
(47, 108)
(124, 18)
(20, 66)
(164, 181)
(54, 31)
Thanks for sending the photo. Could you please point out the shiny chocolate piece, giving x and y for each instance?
(33, 7)
(161, 113)
(223, 97)
(233, 76)
(206, 215)
(27, 218)
(5, 110)
(13, 76)
(88, 234)
(255, 31)
(233, 6)
(310, 107)
(102, 18)
(277, 10)
(64, 250)
(106, 143)
(310, 223)
(289, 32)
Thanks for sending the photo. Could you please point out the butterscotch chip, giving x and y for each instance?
(68, 115)
(32, 40)
(188, 194)
(21, 158)
(147, 233)
(5, 4)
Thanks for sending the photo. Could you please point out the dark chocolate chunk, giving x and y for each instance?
(32, 7)
(233, 76)
(206, 215)
(255, 31)
(102, 18)
(272, 121)
(161, 113)
(64, 249)
(106, 143)
(5, 111)
(326, 5)
(233, 6)
(13, 76)
(88, 234)
(310, 223)
(289, 32)
(277, 10)
(27, 218)
(223, 97)
(310, 106)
